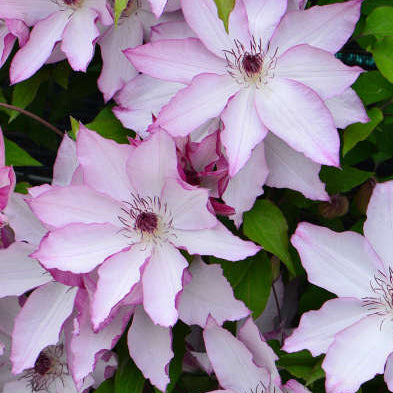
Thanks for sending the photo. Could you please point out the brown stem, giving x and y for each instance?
(33, 116)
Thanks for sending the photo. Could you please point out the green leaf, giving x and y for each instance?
(224, 8)
(380, 22)
(383, 56)
(25, 92)
(106, 387)
(369, 5)
(266, 225)
(61, 74)
(373, 87)
(74, 128)
(128, 378)
(16, 156)
(108, 126)
(120, 6)
(22, 187)
(360, 131)
(342, 180)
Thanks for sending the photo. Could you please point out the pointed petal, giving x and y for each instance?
(294, 113)
(162, 282)
(108, 174)
(347, 108)
(170, 31)
(242, 129)
(202, 17)
(157, 158)
(291, 169)
(244, 188)
(209, 293)
(317, 329)
(317, 69)
(217, 241)
(293, 386)
(36, 51)
(79, 248)
(157, 6)
(238, 24)
(378, 227)
(150, 348)
(78, 38)
(188, 207)
(203, 99)
(66, 162)
(116, 278)
(39, 323)
(342, 263)
(18, 272)
(177, 60)
(232, 361)
(389, 372)
(327, 27)
(357, 354)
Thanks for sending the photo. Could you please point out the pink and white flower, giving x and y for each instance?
(10, 31)
(355, 329)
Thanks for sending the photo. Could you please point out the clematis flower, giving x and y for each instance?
(53, 21)
(257, 76)
(10, 30)
(354, 329)
(245, 363)
(128, 219)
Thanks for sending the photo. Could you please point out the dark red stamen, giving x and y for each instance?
(252, 63)
(146, 222)
(43, 364)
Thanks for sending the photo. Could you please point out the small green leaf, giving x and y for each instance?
(380, 22)
(383, 56)
(74, 128)
(372, 87)
(16, 156)
(360, 131)
(369, 5)
(106, 387)
(61, 74)
(22, 187)
(266, 225)
(224, 8)
(108, 126)
(120, 6)
(343, 180)
(25, 92)
(128, 378)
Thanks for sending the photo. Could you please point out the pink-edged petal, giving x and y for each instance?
(2, 149)
(78, 38)
(141, 99)
(232, 361)
(347, 108)
(39, 323)
(203, 99)
(357, 354)
(242, 129)
(244, 188)
(151, 163)
(217, 241)
(116, 278)
(175, 60)
(79, 248)
(7, 185)
(66, 205)
(203, 19)
(30, 12)
(317, 329)
(317, 69)
(238, 24)
(116, 69)
(295, 113)
(327, 27)
(7, 41)
(157, 6)
(43, 37)
(188, 207)
(150, 348)
(102, 10)
(291, 169)
(209, 293)
(378, 227)
(263, 18)
(9, 309)
(25, 224)
(293, 386)
(108, 174)
(162, 281)
(18, 272)
(262, 354)
(170, 31)
(85, 344)
(66, 162)
(388, 377)
(342, 263)
(19, 30)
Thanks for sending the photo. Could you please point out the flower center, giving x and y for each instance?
(43, 364)
(146, 222)
(382, 303)
(252, 63)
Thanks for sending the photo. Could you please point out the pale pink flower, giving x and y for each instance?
(73, 22)
(355, 329)
(10, 31)
(257, 76)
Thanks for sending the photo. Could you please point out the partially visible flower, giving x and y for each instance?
(10, 31)
(355, 329)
